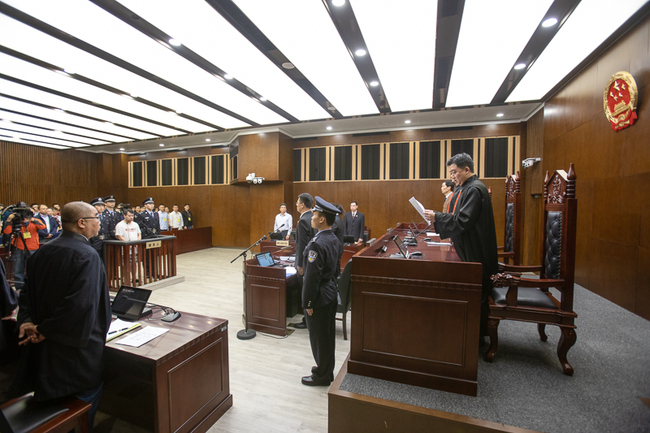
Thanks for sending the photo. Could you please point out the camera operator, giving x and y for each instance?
(24, 230)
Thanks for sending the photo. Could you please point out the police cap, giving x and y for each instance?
(324, 206)
(109, 198)
(96, 200)
(147, 201)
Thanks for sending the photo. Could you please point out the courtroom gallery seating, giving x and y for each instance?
(529, 300)
(513, 227)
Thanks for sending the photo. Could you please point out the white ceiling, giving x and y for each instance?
(103, 76)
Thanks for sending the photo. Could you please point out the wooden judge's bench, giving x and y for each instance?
(415, 321)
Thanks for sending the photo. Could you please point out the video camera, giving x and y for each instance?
(21, 212)
(122, 207)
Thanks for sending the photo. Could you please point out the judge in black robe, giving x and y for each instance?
(471, 226)
(65, 314)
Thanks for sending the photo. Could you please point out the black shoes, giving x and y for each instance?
(310, 381)
(300, 325)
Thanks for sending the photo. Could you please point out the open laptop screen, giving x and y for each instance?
(401, 247)
(265, 259)
(129, 302)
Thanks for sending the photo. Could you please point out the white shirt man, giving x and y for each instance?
(175, 219)
(163, 217)
(284, 222)
(127, 230)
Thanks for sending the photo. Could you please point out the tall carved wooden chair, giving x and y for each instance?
(528, 299)
(510, 253)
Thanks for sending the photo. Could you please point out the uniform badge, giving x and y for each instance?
(312, 256)
(619, 100)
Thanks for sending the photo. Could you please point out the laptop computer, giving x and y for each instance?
(129, 303)
(401, 247)
(265, 259)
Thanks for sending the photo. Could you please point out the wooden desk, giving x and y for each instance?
(266, 298)
(191, 239)
(178, 382)
(416, 321)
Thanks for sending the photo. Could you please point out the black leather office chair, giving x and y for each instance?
(344, 297)
(24, 415)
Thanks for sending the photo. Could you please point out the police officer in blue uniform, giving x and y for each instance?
(148, 220)
(111, 216)
(322, 264)
(97, 242)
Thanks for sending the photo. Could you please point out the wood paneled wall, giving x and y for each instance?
(613, 174)
(36, 174)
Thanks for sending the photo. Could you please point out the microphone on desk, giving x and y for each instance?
(170, 313)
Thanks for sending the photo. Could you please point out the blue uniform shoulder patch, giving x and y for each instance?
(312, 256)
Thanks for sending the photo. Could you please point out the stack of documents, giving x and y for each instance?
(119, 327)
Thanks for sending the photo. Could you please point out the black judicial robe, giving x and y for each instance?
(471, 227)
(66, 296)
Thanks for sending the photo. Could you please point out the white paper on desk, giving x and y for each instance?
(429, 234)
(144, 336)
(418, 207)
(290, 271)
(118, 324)
(444, 244)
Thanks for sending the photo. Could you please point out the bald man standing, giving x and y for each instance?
(65, 314)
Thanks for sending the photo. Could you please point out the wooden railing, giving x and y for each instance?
(136, 263)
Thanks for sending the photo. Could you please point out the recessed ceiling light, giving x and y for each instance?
(228, 77)
(549, 22)
(329, 128)
(161, 145)
(121, 148)
(62, 72)
(407, 121)
(207, 139)
(374, 83)
(360, 52)
(133, 95)
(175, 42)
(520, 66)
(263, 98)
(69, 71)
(288, 65)
(108, 123)
(179, 112)
(499, 114)
(338, 2)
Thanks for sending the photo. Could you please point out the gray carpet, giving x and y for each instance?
(524, 386)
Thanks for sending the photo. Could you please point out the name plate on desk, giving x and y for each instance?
(282, 243)
(153, 244)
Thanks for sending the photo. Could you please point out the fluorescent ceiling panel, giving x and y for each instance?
(27, 40)
(56, 81)
(401, 39)
(13, 89)
(56, 134)
(303, 31)
(56, 119)
(92, 24)
(200, 28)
(23, 135)
(13, 139)
(492, 36)
(18, 90)
(590, 24)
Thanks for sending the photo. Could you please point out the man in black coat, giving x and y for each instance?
(355, 223)
(188, 218)
(65, 314)
(322, 264)
(304, 233)
(471, 225)
(148, 220)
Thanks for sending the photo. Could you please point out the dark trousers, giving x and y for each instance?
(19, 258)
(91, 396)
(322, 337)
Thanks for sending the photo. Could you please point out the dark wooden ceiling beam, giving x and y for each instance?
(91, 49)
(450, 14)
(561, 10)
(348, 27)
(231, 13)
(148, 29)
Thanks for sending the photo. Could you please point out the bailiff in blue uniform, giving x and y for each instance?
(322, 265)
